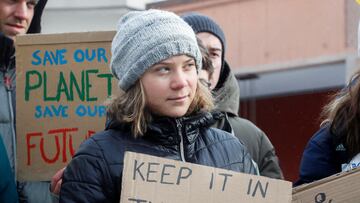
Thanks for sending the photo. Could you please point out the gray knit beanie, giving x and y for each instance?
(145, 38)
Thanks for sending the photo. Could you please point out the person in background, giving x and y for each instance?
(207, 70)
(162, 110)
(227, 95)
(336, 146)
(15, 19)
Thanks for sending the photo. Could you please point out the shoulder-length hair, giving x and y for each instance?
(343, 115)
(130, 107)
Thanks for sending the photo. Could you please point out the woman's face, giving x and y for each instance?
(170, 86)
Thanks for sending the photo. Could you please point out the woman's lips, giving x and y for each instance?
(178, 98)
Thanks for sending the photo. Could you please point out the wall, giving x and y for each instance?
(288, 128)
(274, 31)
(61, 16)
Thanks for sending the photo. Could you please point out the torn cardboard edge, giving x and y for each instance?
(306, 187)
(64, 38)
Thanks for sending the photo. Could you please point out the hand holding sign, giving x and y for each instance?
(56, 181)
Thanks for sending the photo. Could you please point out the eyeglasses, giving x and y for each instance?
(205, 82)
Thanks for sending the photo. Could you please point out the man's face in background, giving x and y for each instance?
(213, 44)
(16, 16)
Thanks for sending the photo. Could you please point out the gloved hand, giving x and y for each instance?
(7, 51)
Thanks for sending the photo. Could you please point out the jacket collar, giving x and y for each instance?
(228, 96)
(167, 131)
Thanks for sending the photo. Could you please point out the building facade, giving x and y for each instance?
(61, 16)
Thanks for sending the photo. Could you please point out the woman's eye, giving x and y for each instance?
(163, 69)
(190, 66)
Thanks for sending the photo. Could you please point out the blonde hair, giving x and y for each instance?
(130, 107)
(343, 115)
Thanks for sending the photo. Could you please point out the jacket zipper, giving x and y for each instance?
(182, 154)
(13, 132)
(8, 87)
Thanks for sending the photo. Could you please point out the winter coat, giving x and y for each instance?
(322, 157)
(31, 192)
(7, 97)
(94, 174)
(257, 143)
(8, 191)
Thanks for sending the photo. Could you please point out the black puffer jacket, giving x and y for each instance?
(94, 174)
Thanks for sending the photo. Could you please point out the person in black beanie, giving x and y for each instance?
(205, 27)
(227, 94)
(15, 19)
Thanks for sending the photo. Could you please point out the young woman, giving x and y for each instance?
(336, 146)
(162, 110)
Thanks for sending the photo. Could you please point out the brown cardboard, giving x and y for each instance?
(152, 179)
(60, 97)
(342, 187)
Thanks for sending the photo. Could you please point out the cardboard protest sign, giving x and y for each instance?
(341, 187)
(149, 179)
(62, 83)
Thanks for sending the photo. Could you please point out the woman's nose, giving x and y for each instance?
(179, 80)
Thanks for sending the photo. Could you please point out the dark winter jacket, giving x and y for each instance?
(30, 192)
(322, 157)
(7, 182)
(257, 143)
(94, 174)
(7, 97)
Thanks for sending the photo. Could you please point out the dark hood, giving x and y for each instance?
(7, 52)
(227, 97)
(35, 26)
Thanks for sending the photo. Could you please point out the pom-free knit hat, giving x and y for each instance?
(145, 38)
